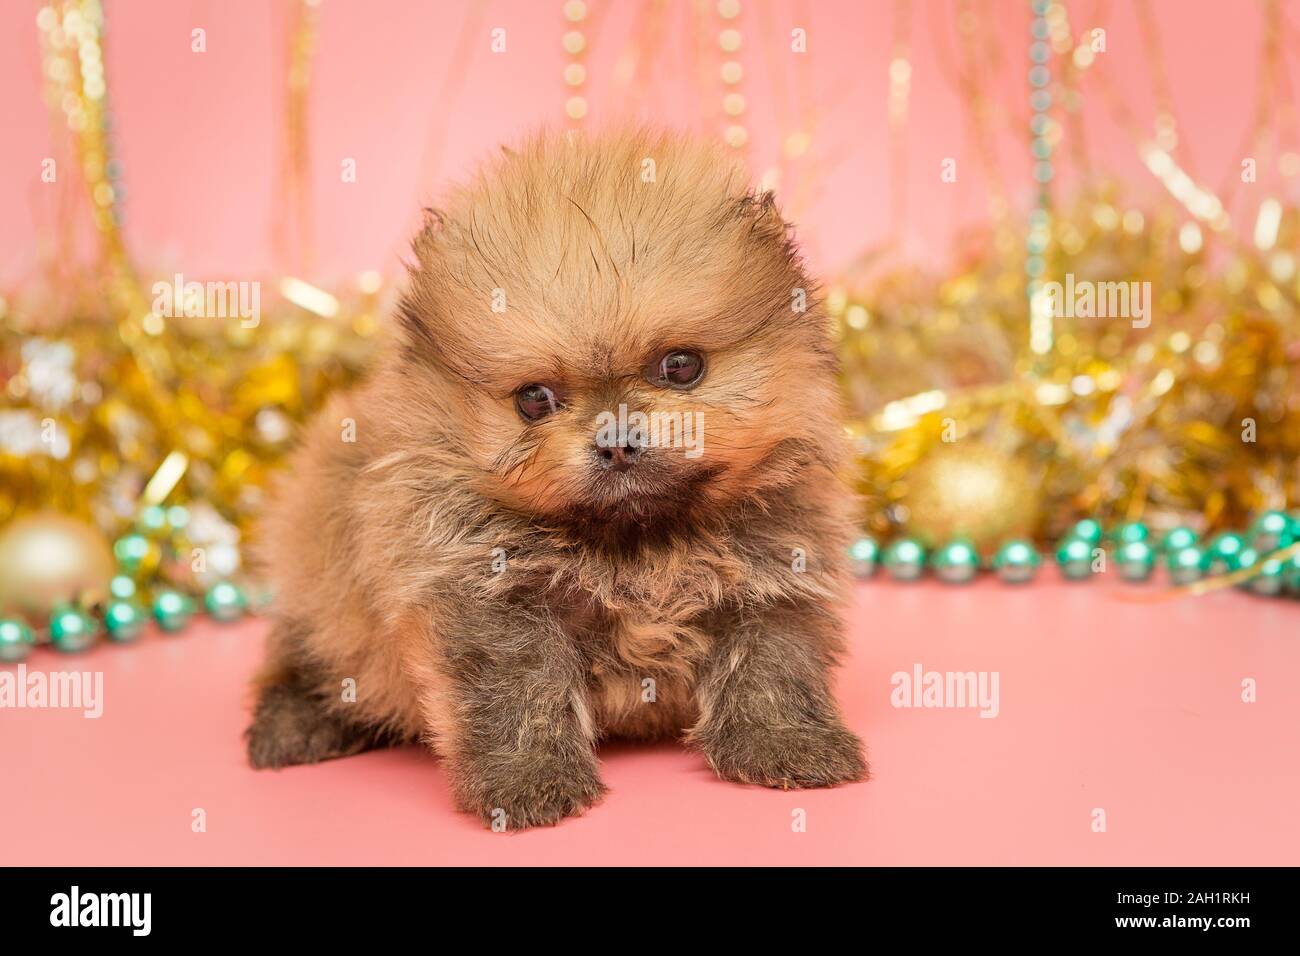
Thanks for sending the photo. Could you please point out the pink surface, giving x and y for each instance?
(1104, 703)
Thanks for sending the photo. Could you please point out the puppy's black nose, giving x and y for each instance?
(618, 458)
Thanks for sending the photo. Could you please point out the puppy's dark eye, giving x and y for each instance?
(679, 369)
(536, 401)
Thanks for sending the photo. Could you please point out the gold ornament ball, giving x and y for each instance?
(965, 490)
(49, 559)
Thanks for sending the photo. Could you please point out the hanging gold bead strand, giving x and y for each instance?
(73, 60)
(293, 227)
(575, 71)
(733, 101)
(71, 35)
(1041, 332)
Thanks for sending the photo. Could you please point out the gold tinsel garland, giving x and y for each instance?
(84, 430)
(1192, 419)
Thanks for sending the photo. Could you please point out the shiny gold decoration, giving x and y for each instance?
(47, 560)
(1191, 418)
(967, 491)
(87, 436)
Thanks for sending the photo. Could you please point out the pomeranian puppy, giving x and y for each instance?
(591, 490)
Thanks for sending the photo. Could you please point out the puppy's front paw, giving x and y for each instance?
(791, 757)
(521, 792)
(292, 726)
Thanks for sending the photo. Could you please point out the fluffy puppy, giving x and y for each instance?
(590, 491)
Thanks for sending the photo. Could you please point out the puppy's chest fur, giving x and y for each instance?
(644, 624)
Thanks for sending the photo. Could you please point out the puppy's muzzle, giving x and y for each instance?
(618, 458)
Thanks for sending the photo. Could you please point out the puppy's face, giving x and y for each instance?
(619, 348)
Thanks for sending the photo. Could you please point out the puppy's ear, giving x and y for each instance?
(426, 241)
(415, 323)
(417, 310)
(758, 211)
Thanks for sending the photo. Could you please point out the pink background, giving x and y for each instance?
(199, 134)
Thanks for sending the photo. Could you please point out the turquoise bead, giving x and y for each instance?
(1017, 562)
(1178, 538)
(225, 602)
(1136, 561)
(16, 641)
(122, 587)
(1272, 530)
(172, 610)
(1270, 580)
(1087, 530)
(72, 630)
(130, 550)
(124, 620)
(1291, 574)
(863, 554)
(1132, 531)
(904, 559)
(1248, 558)
(153, 518)
(1074, 558)
(956, 562)
(1224, 553)
(1184, 565)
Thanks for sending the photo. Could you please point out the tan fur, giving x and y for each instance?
(382, 549)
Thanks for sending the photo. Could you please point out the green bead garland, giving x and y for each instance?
(125, 614)
(1136, 553)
